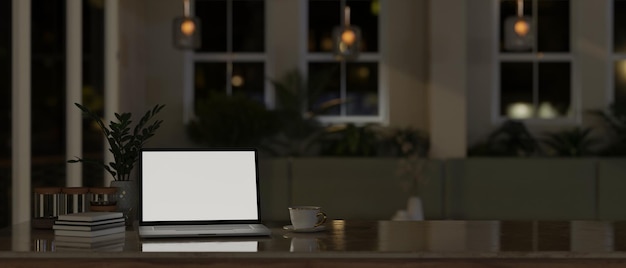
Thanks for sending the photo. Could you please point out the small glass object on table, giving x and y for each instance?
(46, 206)
(74, 200)
(103, 199)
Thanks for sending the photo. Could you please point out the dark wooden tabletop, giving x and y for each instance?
(355, 241)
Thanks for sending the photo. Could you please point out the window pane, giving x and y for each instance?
(5, 80)
(5, 112)
(508, 8)
(364, 14)
(248, 26)
(48, 106)
(516, 89)
(48, 93)
(554, 89)
(324, 15)
(212, 14)
(619, 26)
(48, 27)
(249, 79)
(620, 82)
(93, 88)
(324, 87)
(553, 26)
(362, 88)
(209, 76)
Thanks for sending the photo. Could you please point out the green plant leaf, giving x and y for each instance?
(122, 145)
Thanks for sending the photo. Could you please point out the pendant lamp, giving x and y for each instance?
(186, 30)
(518, 31)
(346, 39)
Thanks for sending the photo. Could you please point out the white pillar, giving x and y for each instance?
(21, 131)
(74, 91)
(448, 63)
(593, 67)
(111, 71)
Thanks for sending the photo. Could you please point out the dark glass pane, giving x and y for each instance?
(620, 82)
(93, 88)
(516, 89)
(249, 79)
(324, 87)
(209, 76)
(619, 26)
(248, 26)
(554, 89)
(324, 15)
(48, 93)
(553, 26)
(5, 112)
(48, 107)
(364, 14)
(212, 14)
(48, 27)
(362, 88)
(508, 8)
(5, 80)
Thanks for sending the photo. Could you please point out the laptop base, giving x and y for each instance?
(213, 230)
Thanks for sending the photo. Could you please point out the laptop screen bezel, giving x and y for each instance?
(182, 222)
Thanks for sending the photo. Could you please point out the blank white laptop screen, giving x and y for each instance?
(199, 186)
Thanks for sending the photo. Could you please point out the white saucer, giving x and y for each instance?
(306, 230)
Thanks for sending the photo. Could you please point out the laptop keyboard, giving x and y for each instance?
(201, 227)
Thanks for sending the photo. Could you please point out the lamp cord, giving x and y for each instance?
(186, 8)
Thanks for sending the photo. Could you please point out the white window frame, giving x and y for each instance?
(192, 57)
(536, 57)
(328, 57)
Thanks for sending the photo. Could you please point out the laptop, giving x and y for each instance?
(199, 193)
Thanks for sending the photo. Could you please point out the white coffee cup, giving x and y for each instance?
(306, 217)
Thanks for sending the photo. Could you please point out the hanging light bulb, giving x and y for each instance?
(521, 27)
(518, 31)
(346, 39)
(186, 29)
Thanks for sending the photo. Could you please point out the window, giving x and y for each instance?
(48, 63)
(48, 94)
(231, 58)
(93, 88)
(535, 74)
(355, 83)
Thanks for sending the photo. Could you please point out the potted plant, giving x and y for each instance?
(232, 121)
(412, 145)
(574, 142)
(296, 111)
(125, 147)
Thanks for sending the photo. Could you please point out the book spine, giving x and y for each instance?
(90, 233)
(86, 217)
(86, 228)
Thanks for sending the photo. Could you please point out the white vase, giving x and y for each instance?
(414, 209)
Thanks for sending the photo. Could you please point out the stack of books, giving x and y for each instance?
(101, 231)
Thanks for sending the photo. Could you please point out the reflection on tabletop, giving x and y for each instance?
(191, 246)
(376, 236)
